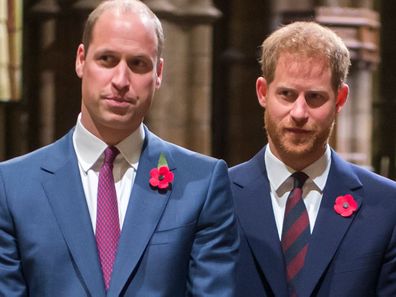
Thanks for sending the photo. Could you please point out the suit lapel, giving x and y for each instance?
(255, 212)
(330, 227)
(145, 209)
(62, 185)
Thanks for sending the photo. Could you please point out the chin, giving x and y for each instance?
(306, 150)
(297, 150)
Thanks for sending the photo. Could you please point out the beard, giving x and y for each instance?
(307, 146)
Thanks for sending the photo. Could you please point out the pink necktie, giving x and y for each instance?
(296, 232)
(107, 222)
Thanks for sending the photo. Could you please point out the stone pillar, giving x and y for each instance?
(28, 122)
(358, 27)
(181, 112)
(85, 6)
(51, 89)
(238, 118)
(293, 6)
(45, 12)
(385, 106)
(46, 90)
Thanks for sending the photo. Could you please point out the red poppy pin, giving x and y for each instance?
(345, 205)
(161, 177)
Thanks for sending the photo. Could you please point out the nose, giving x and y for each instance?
(299, 110)
(121, 79)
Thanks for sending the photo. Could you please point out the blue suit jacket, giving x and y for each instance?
(347, 256)
(180, 243)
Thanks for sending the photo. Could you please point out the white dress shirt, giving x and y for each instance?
(281, 183)
(90, 154)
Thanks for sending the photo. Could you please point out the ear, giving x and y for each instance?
(261, 90)
(80, 59)
(159, 70)
(342, 96)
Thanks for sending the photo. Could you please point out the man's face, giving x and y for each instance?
(119, 73)
(300, 108)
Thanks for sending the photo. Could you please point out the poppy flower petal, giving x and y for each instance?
(161, 177)
(345, 205)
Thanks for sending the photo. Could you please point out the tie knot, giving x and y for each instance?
(299, 179)
(110, 154)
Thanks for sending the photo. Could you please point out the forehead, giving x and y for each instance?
(124, 27)
(301, 66)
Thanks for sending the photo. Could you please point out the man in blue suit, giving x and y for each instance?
(170, 210)
(311, 223)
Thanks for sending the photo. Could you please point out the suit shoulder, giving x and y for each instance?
(29, 157)
(376, 189)
(371, 179)
(155, 144)
(240, 169)
(249, 169)
(191, 165)
(181, 154)
(246, 165)
(38, 156)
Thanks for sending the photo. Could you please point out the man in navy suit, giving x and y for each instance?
(341, 239)
(175, 233)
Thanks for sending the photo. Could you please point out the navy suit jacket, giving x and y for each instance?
(347, 256)
(183, 242)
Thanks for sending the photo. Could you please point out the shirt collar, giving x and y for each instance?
(278, 173)
(89, 148)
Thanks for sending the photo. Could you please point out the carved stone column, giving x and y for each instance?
(52, 90)
(385, 106)
(44, 13)
(85, 5)
(29, 122)
(293, 6)
(239, 117)
(359, 28)
(181, 112)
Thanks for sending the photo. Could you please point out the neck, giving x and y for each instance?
(297, 161)
(110, 135)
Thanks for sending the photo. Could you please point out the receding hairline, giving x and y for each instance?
(124, 7)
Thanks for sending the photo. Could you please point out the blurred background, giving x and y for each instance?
(207, 101)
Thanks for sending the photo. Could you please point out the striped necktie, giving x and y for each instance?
(296, 232)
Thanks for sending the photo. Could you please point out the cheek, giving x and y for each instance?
(277, 111)
(324, 117)
(144, 84)
(97, 76)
